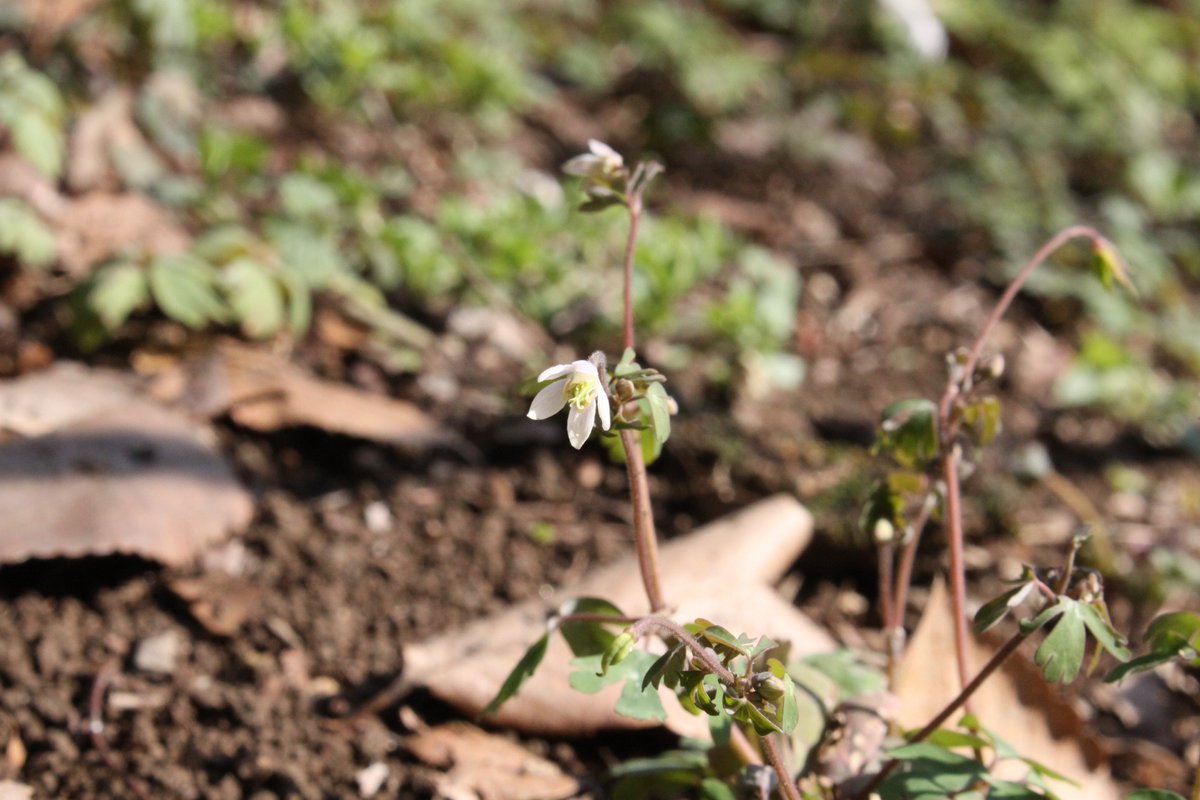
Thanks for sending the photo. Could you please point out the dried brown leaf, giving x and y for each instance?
(128, 477)
(484, 765)
(758, 544)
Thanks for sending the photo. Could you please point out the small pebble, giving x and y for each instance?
(158, 653)
(371, 779)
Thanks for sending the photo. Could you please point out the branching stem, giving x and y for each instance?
(948, 424)
(705, 654)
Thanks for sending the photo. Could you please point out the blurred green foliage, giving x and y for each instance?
(1043, 115)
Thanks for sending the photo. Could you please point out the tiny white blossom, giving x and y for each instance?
(578, 386)
(600, 163)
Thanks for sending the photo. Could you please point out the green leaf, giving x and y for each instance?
(714, 789)
(1103, 632)
(118, 289)
(994, 610)
(299, 305)
(306, 197)
(255, 296)
(983, 417)
(183, 287)
(309, 254)
(947, 738)
(931, 772)
(660, 414)
(1154, 794)
(908, 432)
(588, 638)
(1143, 663)
(520, 673)
(667, 667)
(847, 670)
(25, 235)
(40, 140)
(1061, 653)
(617, 650)
(1176, 630)
(640, 703)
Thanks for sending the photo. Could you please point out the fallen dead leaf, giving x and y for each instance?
(465, 667)
(20, 179)
(100, 225)
(103, 137)
(117, 472)
(486, 766)
(1016, 703)
(48, 19)
(220, 602)
(265, 392)
(54, 398)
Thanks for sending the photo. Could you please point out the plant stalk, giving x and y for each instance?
(644, 535)
(958, 575)
(639, 628)
(948, 425)
(787, 786)
(635, 217)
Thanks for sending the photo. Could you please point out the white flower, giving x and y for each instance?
(602, 163)
(578, 386)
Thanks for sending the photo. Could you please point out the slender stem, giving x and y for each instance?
(613, 619)
(705, 654)
(908, 558)
(958, 578)
(1006, 299)
(786, 785)
(740, 744)
(635, 216)
(948, 425)
(886, 556)
(644, 535)
(1196, 786)
(958, 702)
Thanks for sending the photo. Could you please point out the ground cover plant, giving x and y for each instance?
(366, 196)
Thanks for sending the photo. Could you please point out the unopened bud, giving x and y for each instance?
(992, 368)
(625, 390)
(770, 686)
(617, 651)
(884, 531)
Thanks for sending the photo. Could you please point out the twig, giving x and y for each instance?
(95, 728)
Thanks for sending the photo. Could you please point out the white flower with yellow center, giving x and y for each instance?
(578, 386)
(601, 163)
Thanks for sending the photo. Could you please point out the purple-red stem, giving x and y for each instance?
(786, 784)
(948, 425)
(635, 216)
(645, 537)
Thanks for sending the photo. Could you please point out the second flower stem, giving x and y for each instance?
(644, 534)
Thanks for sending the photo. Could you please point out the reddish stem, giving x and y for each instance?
(786, 785)
(635, 216)
(948, 425)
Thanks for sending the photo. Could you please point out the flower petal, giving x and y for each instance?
(602, 407)
(582, 165)
(549, 401)
(579, 424)
(557, 371)
(602, 150)
(585, 368)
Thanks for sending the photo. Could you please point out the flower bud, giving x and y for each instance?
(625, 390)
(620, 647)
(770, 686)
